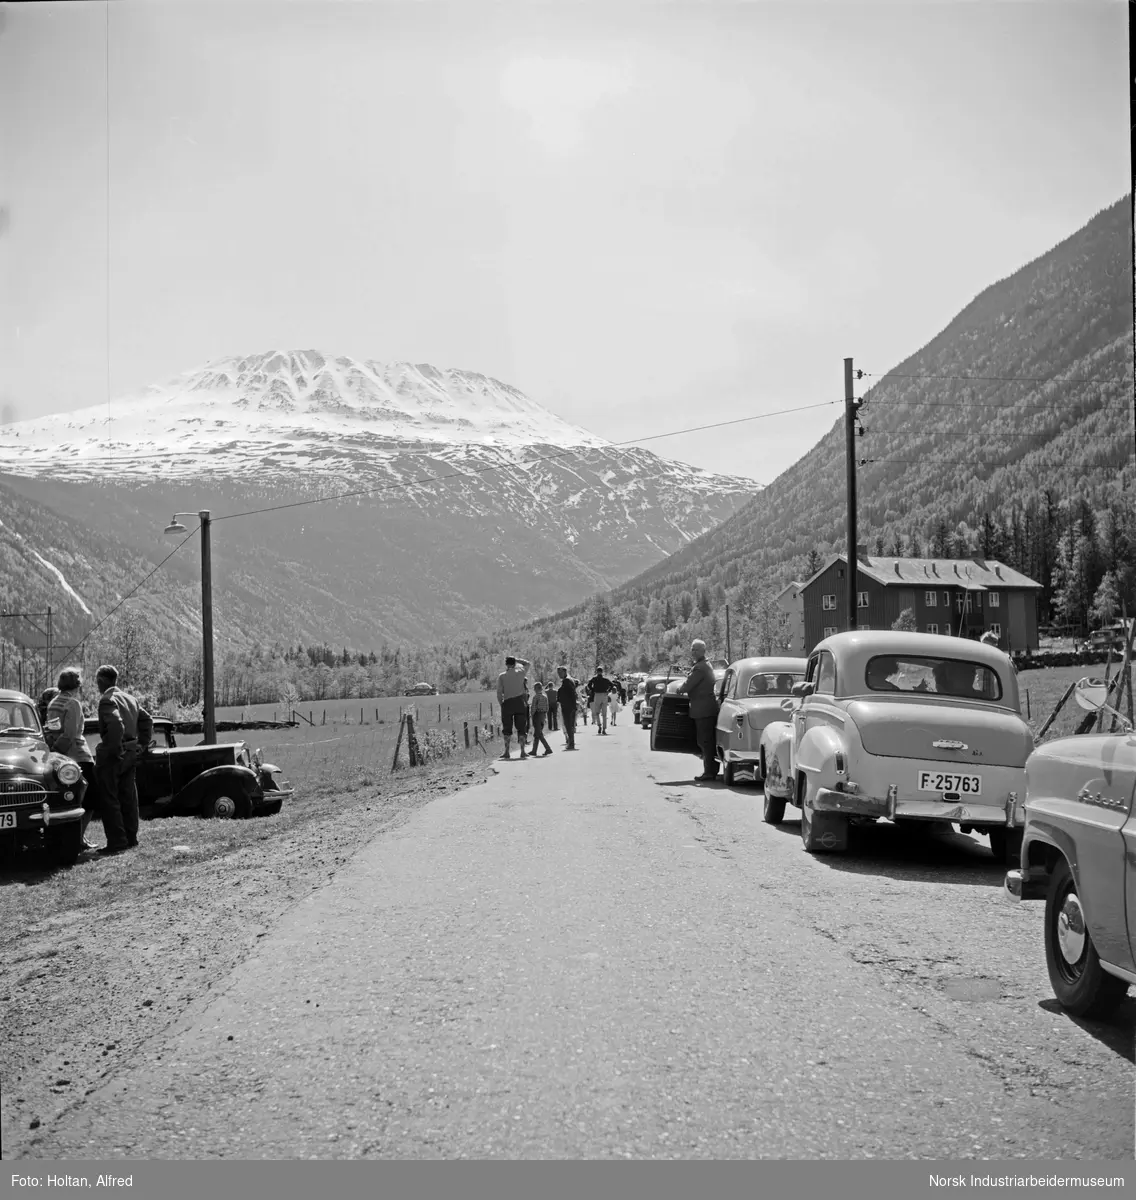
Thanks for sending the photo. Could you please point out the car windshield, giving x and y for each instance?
(773, 683)
(16, 716)
(955, 677)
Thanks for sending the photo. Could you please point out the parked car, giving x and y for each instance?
(1076, 856)
(673, 729)
(222, 780)
(905, 726)
(637, 701)
(750, 697)
(421, 689)
(41, 793)
(652, 686)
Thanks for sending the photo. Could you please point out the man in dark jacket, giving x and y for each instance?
(700, 686)
(598, 687)
(566, 698)
(125, 731)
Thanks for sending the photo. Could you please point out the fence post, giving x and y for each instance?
(412, 742)
(324, 722)
(466, 725)
(439, 714)
(1028, 714)
(360, 714)
(476, 736)
(398, 743)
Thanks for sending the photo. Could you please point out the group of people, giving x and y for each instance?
(551, 705)
(125, 731)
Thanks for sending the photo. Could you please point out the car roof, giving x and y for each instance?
(10, 695)
(773, 665)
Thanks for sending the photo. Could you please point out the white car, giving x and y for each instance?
(903, 726)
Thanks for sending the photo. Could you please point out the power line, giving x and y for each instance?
(990, 378)
(133, 590)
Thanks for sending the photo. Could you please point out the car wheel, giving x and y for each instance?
(773, 810)
(1082, 987)
(65, 844)
(1006, 845)
(821, 833)
(223, 805)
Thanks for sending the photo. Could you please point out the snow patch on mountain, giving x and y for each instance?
(63, 583)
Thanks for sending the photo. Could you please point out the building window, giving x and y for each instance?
(931, 599)
(977, 599)
(861, 599)
(946, 599)
(829, 630)
(962, 599)
(995, 599)
(996, 629)
(932, 628)
(828, 603)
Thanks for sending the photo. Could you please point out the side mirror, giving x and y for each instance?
(1092, 696)
(802, 689)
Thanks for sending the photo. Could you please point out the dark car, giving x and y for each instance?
(653, 685)
(222, 780)
(41, 793)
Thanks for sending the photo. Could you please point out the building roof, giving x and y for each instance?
(795, 587)
(974, 574)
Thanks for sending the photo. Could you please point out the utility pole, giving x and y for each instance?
(208, 720)
(728, 658)
(850, 408)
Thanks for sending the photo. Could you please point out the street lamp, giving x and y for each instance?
(208, 721)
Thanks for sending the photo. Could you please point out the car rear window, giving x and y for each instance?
(956, 677)
(773, 683)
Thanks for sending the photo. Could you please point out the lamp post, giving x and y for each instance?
(208, 721)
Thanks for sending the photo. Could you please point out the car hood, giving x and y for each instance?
(1104, 763)
(22, 755)
(968, 734)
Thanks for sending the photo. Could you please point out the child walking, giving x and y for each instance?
(539, 714)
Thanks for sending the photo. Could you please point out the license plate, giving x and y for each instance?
(7, 820)
(946, 781)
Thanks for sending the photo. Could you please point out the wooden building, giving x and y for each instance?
(963, 597)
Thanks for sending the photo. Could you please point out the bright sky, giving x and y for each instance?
(645, 216)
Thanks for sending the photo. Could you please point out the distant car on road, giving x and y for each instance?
(421, 689)
(223, 780)
(1077, 856)
(41, 793)
(750, 698)
(652, 686)
(909, 726)
(637, 701)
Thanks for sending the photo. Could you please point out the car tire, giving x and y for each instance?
(224, 804)
(1082, 987)
(821, 833)
(65, 844)
(773, 810)
(1006, 846)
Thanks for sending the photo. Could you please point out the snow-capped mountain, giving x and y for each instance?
(463, 502)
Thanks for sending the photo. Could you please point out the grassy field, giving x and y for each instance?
(337, 751)
(1042, 689)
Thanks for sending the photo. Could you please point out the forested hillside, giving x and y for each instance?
(1010, 434)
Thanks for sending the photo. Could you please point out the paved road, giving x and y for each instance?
(592, 956)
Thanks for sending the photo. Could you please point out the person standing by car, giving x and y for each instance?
(539, 715)
(598, 688)
(63, 731)
(512, 695)
(699, 685)
(125, 730)
(567, 698)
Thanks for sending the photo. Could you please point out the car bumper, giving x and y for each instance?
(41, 817)
(745, 757)
(1023, 885)
(1007, 814)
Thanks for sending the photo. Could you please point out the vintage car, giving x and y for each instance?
(421, 689)
(912, 727)
(222, 780)
(673, 729)
(653, 685)
(1077, 857)
(750, 697)
(637, 701)
(41, 793)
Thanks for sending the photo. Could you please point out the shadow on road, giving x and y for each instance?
(931, 855)
(687, 781)
(1118, 1033)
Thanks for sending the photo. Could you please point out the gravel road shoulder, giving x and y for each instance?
(102, 957)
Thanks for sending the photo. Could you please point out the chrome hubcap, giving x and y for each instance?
(1071, 929)
(225, 806)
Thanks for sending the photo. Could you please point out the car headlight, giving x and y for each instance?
(67, 770)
